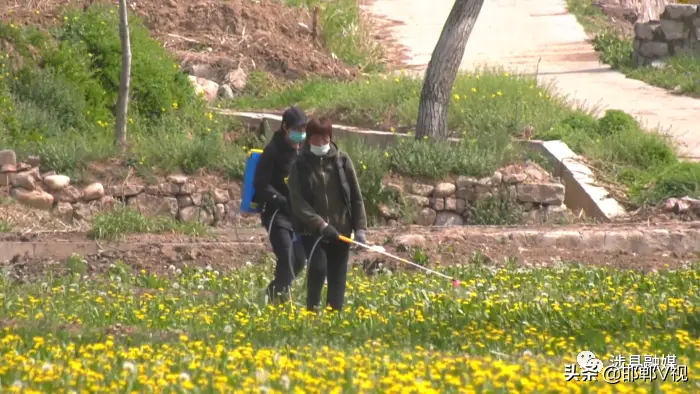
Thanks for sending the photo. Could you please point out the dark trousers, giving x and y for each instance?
(328, 261)
(290, 261)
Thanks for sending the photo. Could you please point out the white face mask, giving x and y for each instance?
(320, 150)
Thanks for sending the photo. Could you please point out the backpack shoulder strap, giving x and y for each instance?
(304, 179)
(341, 163)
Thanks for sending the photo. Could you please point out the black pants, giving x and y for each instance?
(290, 261)
(329, 260)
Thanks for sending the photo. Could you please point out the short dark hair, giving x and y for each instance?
(321, 126)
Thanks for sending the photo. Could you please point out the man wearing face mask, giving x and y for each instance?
(326, 202)
(272, 194)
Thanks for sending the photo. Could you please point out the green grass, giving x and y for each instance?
(196, 330)
(487, 110)
(120, 221)
(345, 34)
(679, 73)
(5, 226)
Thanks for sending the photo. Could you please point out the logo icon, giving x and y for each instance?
(589, 363)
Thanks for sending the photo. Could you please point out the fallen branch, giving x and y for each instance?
(185, 38)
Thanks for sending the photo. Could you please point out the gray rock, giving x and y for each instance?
(437, 204)
(34, 161)
(646, 31)
(496, 178)
(653, 49)
(149, 205)
(33, 198)
(674, 30)
(421, 189)
(679, 11)
(56, 182)
(486, 181)
(394, 188)
(426, 217)
(444, 189)
(189, 214)
(468, 193)
(93, 191)
(417, 201)
(388, 212)
(184, 201)
(25, 180)
(237, 79)
(83, 211)
(63, 211)
(127, 190)
(186, 189)
(541, 193)
(196, 198)
(221, 196)
(451, 204)
(177, 179)
(514, 178)
(448, 219)
(410, 240)
(225, 92)
(8, 157)
(219, 212)
(465, 181)
(68, 194)
(461, 206)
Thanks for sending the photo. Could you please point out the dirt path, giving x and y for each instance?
(617, 245)
(520, 33)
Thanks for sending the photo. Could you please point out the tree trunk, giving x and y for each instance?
(443, 67)
(125, 80)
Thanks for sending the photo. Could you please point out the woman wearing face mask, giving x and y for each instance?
(272, 193)
(326, 202)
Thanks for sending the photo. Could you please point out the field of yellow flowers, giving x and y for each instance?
(508, 329)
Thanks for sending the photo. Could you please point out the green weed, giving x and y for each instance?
(345, 34)
(488, 102)
(121, 221)
(498, 210)
(5, 226)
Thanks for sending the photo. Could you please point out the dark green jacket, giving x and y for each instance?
(320, 193)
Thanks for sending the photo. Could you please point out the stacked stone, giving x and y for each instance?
(677, 32)
(446, 203)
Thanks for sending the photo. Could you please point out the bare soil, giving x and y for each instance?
(227, 250)
(224, 34)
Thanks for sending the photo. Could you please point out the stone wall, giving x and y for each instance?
(676, 32)
(176, 196)
(215, 202)
(447, 203)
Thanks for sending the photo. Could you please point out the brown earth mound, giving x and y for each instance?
(222, 34)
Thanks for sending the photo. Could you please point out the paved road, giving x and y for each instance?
(524, 33)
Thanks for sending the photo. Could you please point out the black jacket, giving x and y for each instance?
(270, 182)
(326, 189)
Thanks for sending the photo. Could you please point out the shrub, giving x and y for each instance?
(614, 49)
(678, 180)
(617, 122)
(498, 210)
(60, 99)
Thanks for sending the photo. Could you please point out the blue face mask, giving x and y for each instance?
(297, 136)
